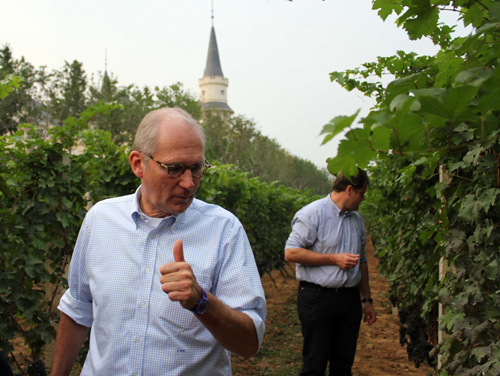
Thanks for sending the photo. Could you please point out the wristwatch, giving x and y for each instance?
(366, 300)
(201, 307)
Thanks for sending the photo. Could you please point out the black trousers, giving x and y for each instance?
(330, 326)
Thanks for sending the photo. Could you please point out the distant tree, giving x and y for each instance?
(68, 92)
(236, 140)
(305, 174)
(229, 138)
(13, 109)
(135, 103)
(175, 96)
(106, 90)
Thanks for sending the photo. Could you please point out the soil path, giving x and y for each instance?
(378, 354)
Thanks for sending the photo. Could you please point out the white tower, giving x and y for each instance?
(213, 85)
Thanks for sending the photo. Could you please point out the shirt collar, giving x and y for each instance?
(136, 212)
(336, 210)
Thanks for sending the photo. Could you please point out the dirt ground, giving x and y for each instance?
(379, 352)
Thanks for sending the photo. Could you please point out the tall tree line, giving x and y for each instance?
(45, 99)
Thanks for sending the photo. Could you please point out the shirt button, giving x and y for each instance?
(134, 373)
(143, 304)
(152, 236)
(146, 271)
(137, 340)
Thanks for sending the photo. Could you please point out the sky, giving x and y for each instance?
(276, 54)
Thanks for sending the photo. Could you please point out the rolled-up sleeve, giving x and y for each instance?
(77, 300)
(238, 282)
(304, 232)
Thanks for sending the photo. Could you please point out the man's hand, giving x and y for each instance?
(346, 260)
(178, 280)
(369, 314)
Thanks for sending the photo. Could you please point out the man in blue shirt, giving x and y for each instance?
(327, 243)
(167, 282)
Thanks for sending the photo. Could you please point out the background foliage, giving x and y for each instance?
(431, 146)
(46, 99)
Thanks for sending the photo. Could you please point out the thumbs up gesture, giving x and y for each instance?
(178, 280)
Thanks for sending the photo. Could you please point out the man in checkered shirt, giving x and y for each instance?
(167, 282)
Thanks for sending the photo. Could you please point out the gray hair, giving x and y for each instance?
(146, 139)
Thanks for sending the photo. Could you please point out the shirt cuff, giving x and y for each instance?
(259, 325)
(80, 312)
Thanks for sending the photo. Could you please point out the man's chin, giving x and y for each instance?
(179, 205)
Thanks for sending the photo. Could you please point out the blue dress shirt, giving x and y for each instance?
(114, 286)
(320, 227)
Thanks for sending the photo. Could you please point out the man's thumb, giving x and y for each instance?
(178, 251)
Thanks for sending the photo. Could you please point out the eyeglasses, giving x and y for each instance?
(176, 170)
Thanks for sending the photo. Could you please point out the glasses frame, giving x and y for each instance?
(206, 165)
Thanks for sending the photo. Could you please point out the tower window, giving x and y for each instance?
(222, 91)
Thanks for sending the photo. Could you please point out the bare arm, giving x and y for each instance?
(69, 341)
(370, 316)
(233, 330)
(306, 257)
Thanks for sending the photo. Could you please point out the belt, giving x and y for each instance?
(336, 290)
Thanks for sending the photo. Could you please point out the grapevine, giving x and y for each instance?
(431, 146)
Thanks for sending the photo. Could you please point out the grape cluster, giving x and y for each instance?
(393, 300)
(412, 333)
(37, 368)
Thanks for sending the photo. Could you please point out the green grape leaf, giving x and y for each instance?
(386, 7)
(337, 125)
(338, 76)
(494, 11)
(350, 155)
(381, 138)
(420, 19)
(492, 271)
(488, 197)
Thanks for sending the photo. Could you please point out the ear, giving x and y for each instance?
(349, 190)
(137, 163)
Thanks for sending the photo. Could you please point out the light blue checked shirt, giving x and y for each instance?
(319, 227)
(114, 286)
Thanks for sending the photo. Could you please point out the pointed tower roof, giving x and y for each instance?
(213, 67)
(106, 81)
(213, 85)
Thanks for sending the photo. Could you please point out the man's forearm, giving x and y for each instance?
(69, 341)
(364, 285)
(306, 257)
(233, 330)
(369, 314)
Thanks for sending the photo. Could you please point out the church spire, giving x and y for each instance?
(213, 67)
(105, 62)
(213, 85)
(106, 81)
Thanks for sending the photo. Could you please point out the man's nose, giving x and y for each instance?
(186, 180)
